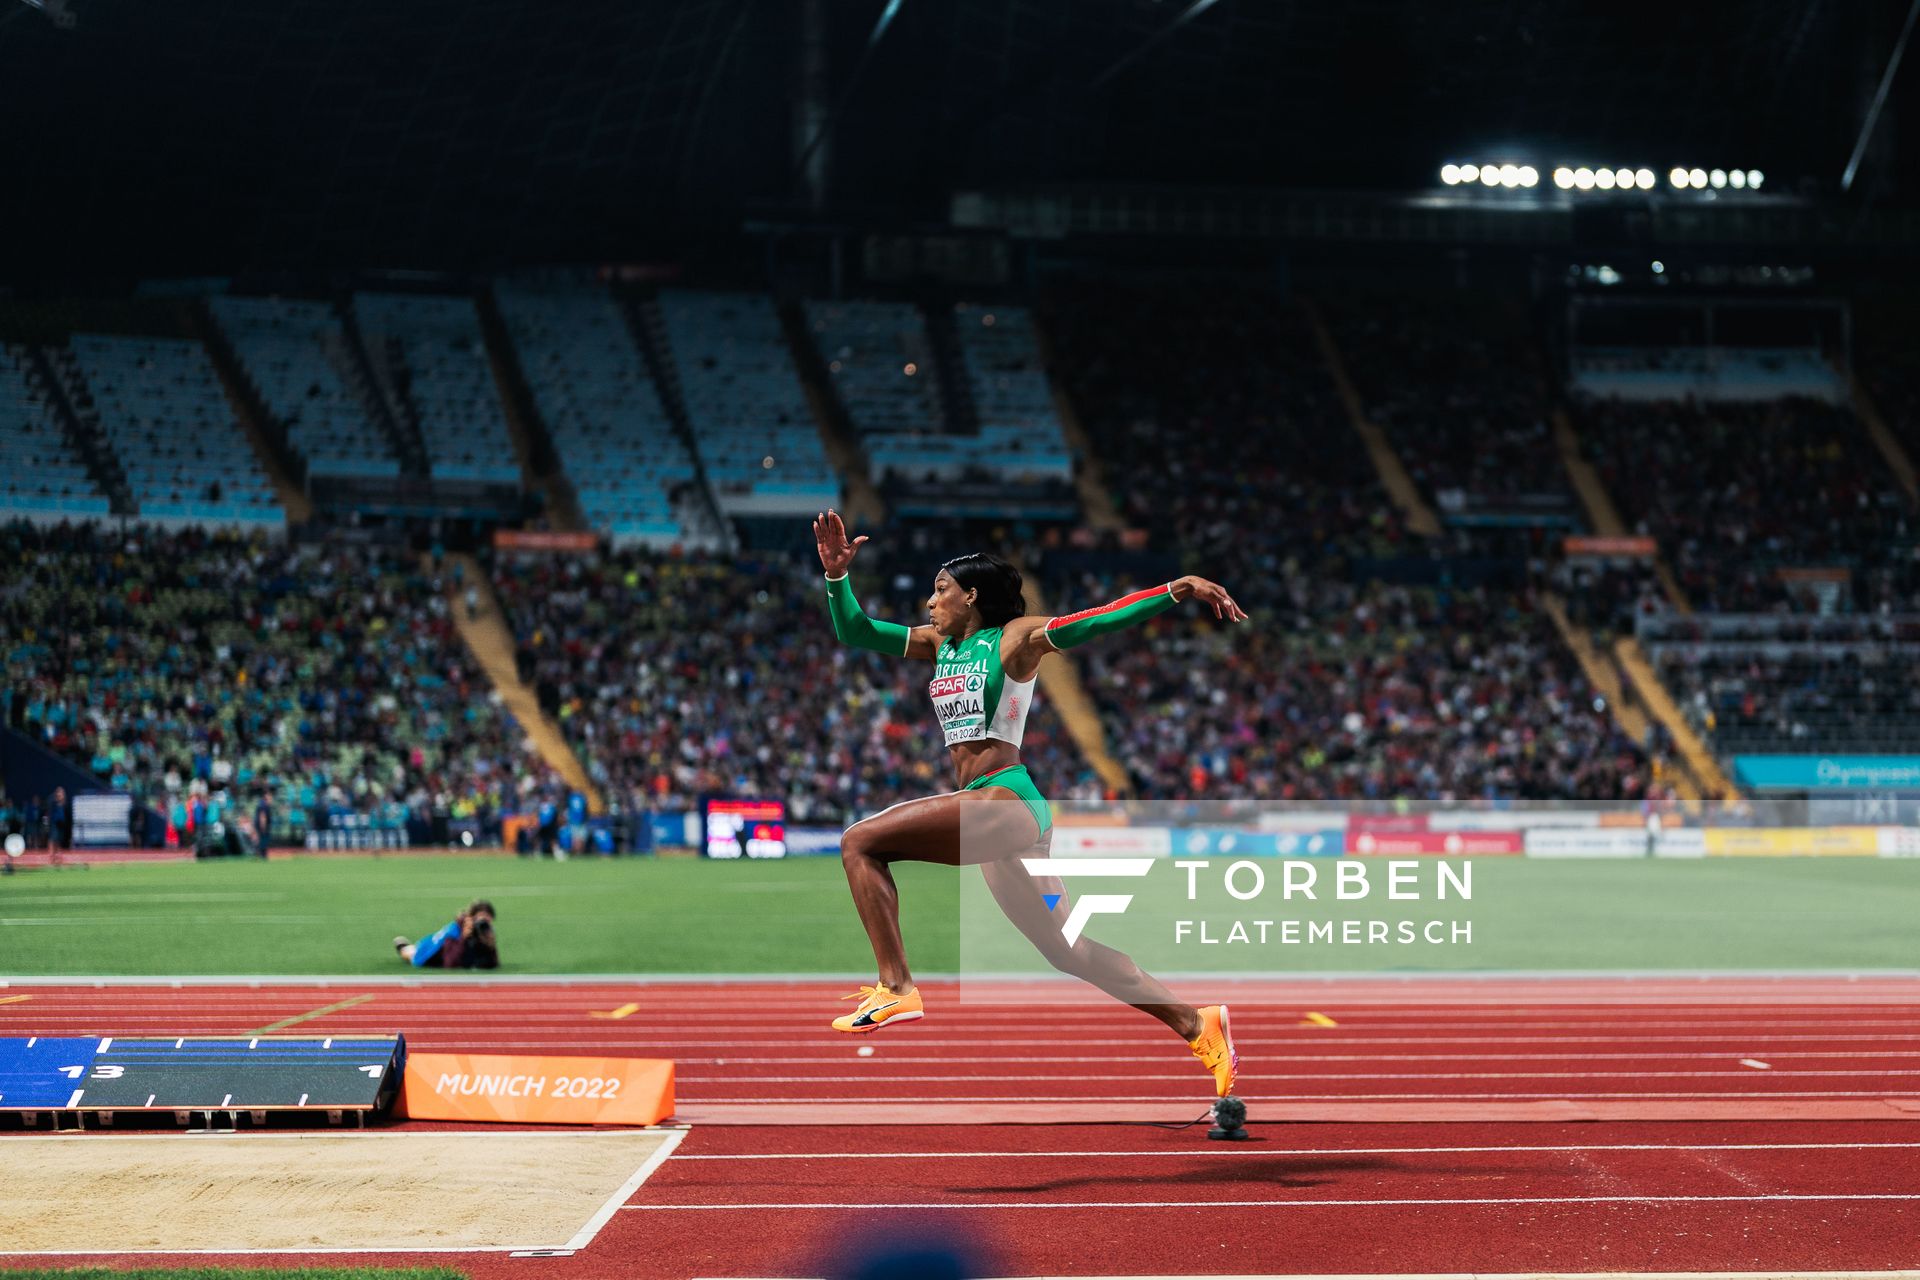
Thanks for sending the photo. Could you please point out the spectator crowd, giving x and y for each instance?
(201, 671)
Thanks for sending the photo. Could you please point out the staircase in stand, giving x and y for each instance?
(378, 375)
(489, 639)
(1602, 516)
(1060, 681)
(1660, 704)
(1628, 713)
(1089, 474)
(956, 388)
(837, 435)
(73, 406)
(1419, 517)
(648, 325)
(263, 431)
(1883, 438)
(532, 443)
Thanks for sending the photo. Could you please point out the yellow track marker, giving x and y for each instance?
(321, 1012)
(13, 999)
(1318, 1020)
(622, 1012)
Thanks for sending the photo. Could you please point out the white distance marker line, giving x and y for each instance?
(584, 1237)
(992, 1077)
(1758, 1065)
(1746, 1095)
(1823, 1198)
(1306, 1151)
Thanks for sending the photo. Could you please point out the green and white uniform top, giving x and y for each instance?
(971, 693)
(973, 697)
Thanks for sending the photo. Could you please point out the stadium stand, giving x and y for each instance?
(166, 416)
(756, 436)
(882, 365)
(1019, 429)
(1225, 440)
(430, 357)
(293, 351)
(1459, 390)
(40, 475)
(1806, 685)
(602, 410)
(677, 677)
(1781, 504)
(190, 662)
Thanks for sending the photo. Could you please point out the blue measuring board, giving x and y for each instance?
(112, 1073)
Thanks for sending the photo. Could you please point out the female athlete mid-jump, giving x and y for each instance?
(986, 654)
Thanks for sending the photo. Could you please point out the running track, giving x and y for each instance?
(1733, 1124)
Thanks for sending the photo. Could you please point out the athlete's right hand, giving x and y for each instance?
(830, 537)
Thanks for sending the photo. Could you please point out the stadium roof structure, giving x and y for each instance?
(220, 134)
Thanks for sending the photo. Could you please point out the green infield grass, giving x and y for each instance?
(691, 916)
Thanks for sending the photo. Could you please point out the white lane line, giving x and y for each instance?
(1750, 1095)
(1689, 1148)
(104, 1044)
(1812, 1198)
(991, 1077)
(641, 1039)
(74, 1101)
(931, 1059)
(584, 1237)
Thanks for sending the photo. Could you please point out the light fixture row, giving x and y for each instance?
(1584, 178)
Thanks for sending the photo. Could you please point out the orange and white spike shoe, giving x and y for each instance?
(879, 1007)
(1214, 1047)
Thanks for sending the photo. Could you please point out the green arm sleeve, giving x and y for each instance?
(852, 626)
(1078, 628)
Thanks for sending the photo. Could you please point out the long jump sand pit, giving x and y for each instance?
(101, 1193)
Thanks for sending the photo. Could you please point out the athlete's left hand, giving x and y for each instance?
(1209, 593)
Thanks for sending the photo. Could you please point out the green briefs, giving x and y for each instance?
(1016, 779)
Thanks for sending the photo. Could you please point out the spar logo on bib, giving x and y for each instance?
(947, 686)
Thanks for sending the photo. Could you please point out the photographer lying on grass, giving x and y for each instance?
(466, 942)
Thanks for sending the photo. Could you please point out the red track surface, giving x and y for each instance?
(1763, 1188)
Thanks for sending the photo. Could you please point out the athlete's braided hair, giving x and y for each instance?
(1001, 598)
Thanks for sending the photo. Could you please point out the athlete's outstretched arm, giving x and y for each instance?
(1030, 639)
(851, 625)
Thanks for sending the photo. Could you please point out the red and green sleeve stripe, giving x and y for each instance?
(1071, 629)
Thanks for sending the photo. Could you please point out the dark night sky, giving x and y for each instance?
(228, 134)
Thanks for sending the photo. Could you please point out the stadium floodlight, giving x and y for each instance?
(1736, 178)
(1623, 178)
(1529, 176)
(1698, 177)
(1583, 179)
(1450, 174)
(1718, 178)
(1489, 175)
(1643, 179)
(1469, 173)
(1678, 177)
(1659, 267)
(1755, 178)
(1603, 179)
(1563, 179)
(1509, 175)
